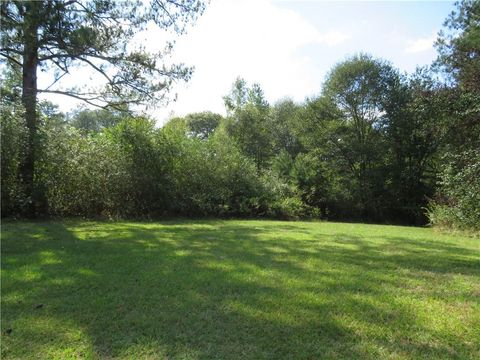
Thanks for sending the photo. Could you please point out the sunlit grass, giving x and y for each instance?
(237, 290)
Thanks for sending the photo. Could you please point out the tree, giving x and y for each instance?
(415, 129)
(359, 89)
(458, 45)
(91, 121)
(203, 124)
(248, 121)
(59, 34)
(457, 202)
(238, 95)
(12, 139)
(283, 118)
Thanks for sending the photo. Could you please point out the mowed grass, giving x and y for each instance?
(237, 290)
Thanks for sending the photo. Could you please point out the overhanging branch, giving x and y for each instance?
(90, 100)
(11, 59)
(75, 96)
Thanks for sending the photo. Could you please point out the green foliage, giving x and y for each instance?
(282, 164)
(323, 187)
(458, 44)
(248, 122)
(89, 121)
(97, 34)
(458, 203)
(212, 177)
(57, 35)
(146, 162)
(344, 130)
(13, 134)
(371, 146)
(283, 119)
(283, 199)
(203, 124)
(238, 95)
(414, 130)
(457, 199)
(81, 176)
(136, 170)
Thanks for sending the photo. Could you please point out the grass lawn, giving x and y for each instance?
(237, 290)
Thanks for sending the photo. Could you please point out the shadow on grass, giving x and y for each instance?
(221, 290)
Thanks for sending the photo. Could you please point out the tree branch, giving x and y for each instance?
(96, 68)
(11, 59)
(75, 96)
(107, 104)
(18, 52)
(172, 19)
(56, 80)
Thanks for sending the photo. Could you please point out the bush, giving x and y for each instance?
(81, 176)
(211, 177)
(13, 139)
(135, 170)
(458, 201)
(282, 199)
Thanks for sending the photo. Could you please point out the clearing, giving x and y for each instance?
(218, 289)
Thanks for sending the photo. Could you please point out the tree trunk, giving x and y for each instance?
(29, 100)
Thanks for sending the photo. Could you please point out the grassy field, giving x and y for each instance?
(237, 290)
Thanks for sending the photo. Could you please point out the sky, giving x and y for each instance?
(287, 47)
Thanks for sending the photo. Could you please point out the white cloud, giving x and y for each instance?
(254, 39)
(421, 44)
(332, 38)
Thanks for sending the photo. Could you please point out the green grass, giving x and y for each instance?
(237, 290)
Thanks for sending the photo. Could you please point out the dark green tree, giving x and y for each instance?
(458, 45)
(203, 124)
(59, 34)
(283, 119)
(415, 130)
(91, 121)
(359, 89)
(248, 121)
(13, 138)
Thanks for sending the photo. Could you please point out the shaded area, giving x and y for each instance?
(237, 289)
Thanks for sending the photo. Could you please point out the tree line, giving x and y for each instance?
(374, 145)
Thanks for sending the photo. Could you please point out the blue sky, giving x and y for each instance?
(387, 29)
(287, 46)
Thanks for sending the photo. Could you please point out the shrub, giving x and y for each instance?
(13, 139)
(81, 176)
(458, 200)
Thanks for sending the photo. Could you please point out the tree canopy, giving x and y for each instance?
(373, 145)
(60, 34)
(458, 44)
(56, 35)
